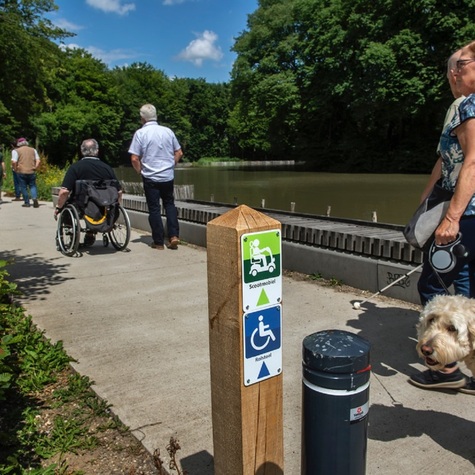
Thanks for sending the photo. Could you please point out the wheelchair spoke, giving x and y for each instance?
(67, 236)
(120, 233)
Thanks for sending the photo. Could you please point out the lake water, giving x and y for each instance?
(392, 197)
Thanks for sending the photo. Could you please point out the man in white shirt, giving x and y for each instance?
(154, 153)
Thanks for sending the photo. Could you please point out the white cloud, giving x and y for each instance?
(201, 49)
(112, 6)
(173, 2)
(111, 56)
(67, 25)
(106, 57)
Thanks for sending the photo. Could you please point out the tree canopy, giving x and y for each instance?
(27, 54)
(352, 79)
(346, 85)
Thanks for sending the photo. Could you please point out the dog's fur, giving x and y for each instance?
(446, 332)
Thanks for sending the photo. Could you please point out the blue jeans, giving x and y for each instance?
(16, 184)
(28, 181)
(154, 192)
(462, 276)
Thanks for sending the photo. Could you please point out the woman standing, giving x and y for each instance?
(457, 151)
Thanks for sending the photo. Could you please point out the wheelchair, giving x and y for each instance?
(94, 208)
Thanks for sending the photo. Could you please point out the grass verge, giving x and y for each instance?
(51, 421)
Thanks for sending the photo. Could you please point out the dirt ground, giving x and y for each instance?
(116, 451)
(117, 454)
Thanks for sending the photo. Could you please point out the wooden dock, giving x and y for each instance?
(362, 238)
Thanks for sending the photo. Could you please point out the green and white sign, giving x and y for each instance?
(261, 269)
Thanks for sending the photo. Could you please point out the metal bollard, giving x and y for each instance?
(335, 403)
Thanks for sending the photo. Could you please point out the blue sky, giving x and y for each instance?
(183, 38)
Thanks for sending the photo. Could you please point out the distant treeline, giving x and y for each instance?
(345, 85)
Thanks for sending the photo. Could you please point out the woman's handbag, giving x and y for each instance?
(419, 232)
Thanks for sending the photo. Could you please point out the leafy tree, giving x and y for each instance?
(265, 98)
(84, 102)
(57, 97)
(177, 117)
(194, 110)
(342, 80)
(140, 84)
(27, 53)
(207, 109)
(376, 74)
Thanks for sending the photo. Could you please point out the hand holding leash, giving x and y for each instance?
(447, 231)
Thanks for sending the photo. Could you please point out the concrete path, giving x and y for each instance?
(137, 324)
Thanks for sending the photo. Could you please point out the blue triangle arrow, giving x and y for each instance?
(264, 371)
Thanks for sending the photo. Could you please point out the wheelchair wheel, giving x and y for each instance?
(68, 231)
(119, 235)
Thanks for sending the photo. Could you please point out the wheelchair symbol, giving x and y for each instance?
(263, 332)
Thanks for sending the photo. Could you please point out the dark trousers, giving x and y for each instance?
(28, 181)
(16, 184)
(154, 192)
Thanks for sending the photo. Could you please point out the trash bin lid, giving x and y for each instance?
(336, 351)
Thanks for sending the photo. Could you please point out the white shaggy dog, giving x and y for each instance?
(446, 332)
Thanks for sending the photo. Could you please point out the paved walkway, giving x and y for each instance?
(137, 324)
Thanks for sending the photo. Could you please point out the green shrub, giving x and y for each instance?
(48, 176)
(49, 414)
(7, 186)
(203, 161)
(6, 340)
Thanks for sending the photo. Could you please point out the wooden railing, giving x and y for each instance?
(181, 192)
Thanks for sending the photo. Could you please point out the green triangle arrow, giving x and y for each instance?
(263, 299)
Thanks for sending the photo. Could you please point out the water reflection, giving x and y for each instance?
(393, 197)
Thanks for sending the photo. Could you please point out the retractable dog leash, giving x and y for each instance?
(357, 305)
(443, 257)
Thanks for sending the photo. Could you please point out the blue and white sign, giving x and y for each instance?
(262, 331)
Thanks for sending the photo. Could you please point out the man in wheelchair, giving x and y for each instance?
(87, 182)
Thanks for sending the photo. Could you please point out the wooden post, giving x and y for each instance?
(247, 415)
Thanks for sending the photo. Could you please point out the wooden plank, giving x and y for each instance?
(247, 420)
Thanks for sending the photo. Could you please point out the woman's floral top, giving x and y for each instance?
(451, 151)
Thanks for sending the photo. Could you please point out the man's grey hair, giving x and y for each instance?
(148, 112)
(90, 148)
